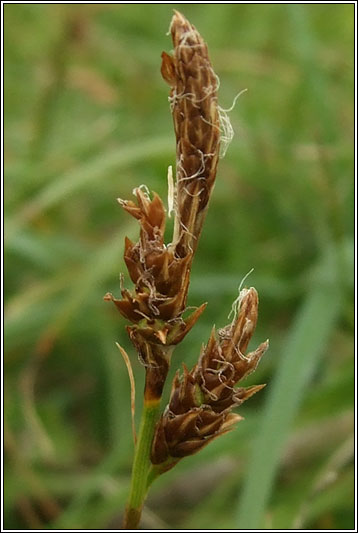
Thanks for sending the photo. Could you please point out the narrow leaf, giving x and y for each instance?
(300, 359)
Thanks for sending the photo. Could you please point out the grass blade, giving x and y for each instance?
(76, 179)
(300, 359)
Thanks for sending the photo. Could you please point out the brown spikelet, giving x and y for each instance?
(207, 394)
(193, 100)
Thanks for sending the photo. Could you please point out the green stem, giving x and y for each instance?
(153, 473)
(141, 464)
(157, 470)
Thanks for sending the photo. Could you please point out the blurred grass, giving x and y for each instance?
(299, 361)
(87, 120)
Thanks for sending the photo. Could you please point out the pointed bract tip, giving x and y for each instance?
(162, 335)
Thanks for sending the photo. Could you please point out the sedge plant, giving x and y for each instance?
(202, 400)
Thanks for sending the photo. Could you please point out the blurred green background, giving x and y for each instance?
(86, 120)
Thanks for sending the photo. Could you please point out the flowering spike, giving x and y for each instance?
(208, 392)
(202, 399)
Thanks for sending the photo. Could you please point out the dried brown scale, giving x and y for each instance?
(161, 279)
(201, 401)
